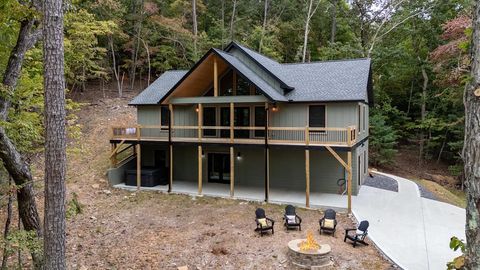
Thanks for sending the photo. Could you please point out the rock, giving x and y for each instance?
(95, 186)
(106, 191)
(182, 267)
(93, 218)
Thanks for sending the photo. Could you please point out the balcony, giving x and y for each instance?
(300, 136)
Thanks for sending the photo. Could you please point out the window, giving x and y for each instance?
(365, 162)
(364, 117)
(359, 119)
(226, 84)
(209, 120)
(359, 166)
(316, 116)
(259, 121)
(164, 117)
(243, 87)
(242, 119)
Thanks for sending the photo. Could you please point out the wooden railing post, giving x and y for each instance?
(200, 120)
(138, 132)
(349, 136)
(307, 135)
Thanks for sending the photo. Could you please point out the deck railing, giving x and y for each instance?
(248, 135)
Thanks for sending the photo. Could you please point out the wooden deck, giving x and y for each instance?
(296, 136)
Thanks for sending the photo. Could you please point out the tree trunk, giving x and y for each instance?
(195, 28)
(114, 66)
(333, 31)
(12, 160)
(223, 24)
(423, 113)
(310, 12)
(471, 149)
(264, 26)
(232, 21)
(8, 221)
(55, 135)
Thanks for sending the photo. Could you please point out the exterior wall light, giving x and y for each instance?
(196, 109)
(274, 108)
(239, 156)
(203, 154)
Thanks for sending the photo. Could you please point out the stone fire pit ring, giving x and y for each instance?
(309, 259)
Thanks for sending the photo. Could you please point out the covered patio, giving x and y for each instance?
(251, 193)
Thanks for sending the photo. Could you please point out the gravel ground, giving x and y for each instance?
(425, 193)
(383, 182)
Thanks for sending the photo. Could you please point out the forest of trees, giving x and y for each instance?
(419, 52)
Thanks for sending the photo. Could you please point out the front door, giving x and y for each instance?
(219, 168)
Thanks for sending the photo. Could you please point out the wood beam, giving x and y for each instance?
(232, 171)
(267, 173)
(200, 167)
(170, 180)
(114, 150)
(215, 77)
(349, 182)
(232, 120)
(345, 165)
(307, 178)
(139, 166)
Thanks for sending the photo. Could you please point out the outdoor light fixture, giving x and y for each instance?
(203, 154)
(239, 156)
(274, 108)
(196, 109)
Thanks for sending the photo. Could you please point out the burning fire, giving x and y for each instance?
(310, 243)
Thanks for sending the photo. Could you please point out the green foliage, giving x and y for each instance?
(383, 138)
(22, 240)
(458, 262)
(73, 207)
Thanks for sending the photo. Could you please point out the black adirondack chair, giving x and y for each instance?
(329, 222)
(357, 235)
(264, 224)
(292, 220)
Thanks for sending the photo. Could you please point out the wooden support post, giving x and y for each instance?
(170, 180)
(307, 135)
(200, 120)
(170, 148)
(200, 174)
(267, 156)
(215, 77)
(138, 132)
(349, 181)
(139, 166)
(232, 171)
(307, 178)
(232, 120)
(267, 173)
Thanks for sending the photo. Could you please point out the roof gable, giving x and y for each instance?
(343, 80)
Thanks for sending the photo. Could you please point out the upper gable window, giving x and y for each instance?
(226, 84)
(316, 116)
(243, 87)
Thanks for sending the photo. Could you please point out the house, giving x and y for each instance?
(239, 124)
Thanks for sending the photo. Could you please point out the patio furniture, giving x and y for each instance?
(292, 220)
(264, 224)
(329, 222)
(357, 235)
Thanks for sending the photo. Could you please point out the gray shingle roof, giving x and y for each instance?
(344, 80)
(155, 91)
(252, 76)
(328, 81)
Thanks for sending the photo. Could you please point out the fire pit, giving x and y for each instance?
(308, 254)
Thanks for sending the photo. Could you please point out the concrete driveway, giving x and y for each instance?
(412, 231)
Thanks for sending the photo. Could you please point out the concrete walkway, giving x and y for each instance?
(412, 231)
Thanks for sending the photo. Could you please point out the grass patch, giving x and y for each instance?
(444, 194)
